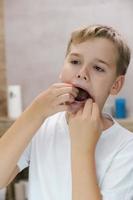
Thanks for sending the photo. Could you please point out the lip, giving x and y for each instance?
(84, 88)
(79, 102)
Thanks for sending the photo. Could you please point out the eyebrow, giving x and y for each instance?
(102, 61)
(75, 54)
(96, 59)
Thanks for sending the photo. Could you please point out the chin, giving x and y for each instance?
(75, 107)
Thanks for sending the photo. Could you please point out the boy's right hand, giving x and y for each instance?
(56, 98)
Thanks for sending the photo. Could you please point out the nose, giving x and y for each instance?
(79, 76)
(82, 76)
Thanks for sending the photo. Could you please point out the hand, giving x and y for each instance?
(56, 98)
(85, 128)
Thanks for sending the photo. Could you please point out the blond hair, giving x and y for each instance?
(100, 31)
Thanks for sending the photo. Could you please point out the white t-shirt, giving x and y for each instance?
(49, 159)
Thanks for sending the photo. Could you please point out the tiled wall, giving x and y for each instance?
(37, 33)
(3, 104)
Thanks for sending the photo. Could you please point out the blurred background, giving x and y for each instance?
(37, 32)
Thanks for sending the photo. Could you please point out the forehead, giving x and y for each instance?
(101, 48)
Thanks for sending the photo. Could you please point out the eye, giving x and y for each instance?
(98, 68)
(75, 62)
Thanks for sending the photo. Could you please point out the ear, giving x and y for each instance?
(117, 85)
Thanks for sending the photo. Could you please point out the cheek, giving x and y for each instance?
(66, 75)
(101, 92)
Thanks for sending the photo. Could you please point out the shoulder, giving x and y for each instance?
(117, 131)
(114, 139)
(122, 131)
(50, 124)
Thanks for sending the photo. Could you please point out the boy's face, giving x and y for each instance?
(91, 65)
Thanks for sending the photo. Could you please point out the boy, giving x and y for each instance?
(78, 154)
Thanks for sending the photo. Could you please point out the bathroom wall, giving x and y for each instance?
(37, 32)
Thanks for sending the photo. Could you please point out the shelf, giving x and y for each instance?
(127, 123)
(5, 123)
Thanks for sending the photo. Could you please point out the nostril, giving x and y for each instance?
(82, 77)
(85, 78)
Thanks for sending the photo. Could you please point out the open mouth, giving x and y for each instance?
(83, 95)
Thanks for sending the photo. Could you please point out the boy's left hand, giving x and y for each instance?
(85, 128)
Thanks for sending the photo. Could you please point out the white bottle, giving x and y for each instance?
(14, 101)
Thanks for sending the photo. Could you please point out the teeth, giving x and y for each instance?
(82, 95)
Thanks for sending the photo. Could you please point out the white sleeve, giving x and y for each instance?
(118, 180)
(24, 160)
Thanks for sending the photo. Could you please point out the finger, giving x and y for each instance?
(59, 85)
(64, 99)
(95, 111)
(66, 90)
(87, 111)
(80, 111)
